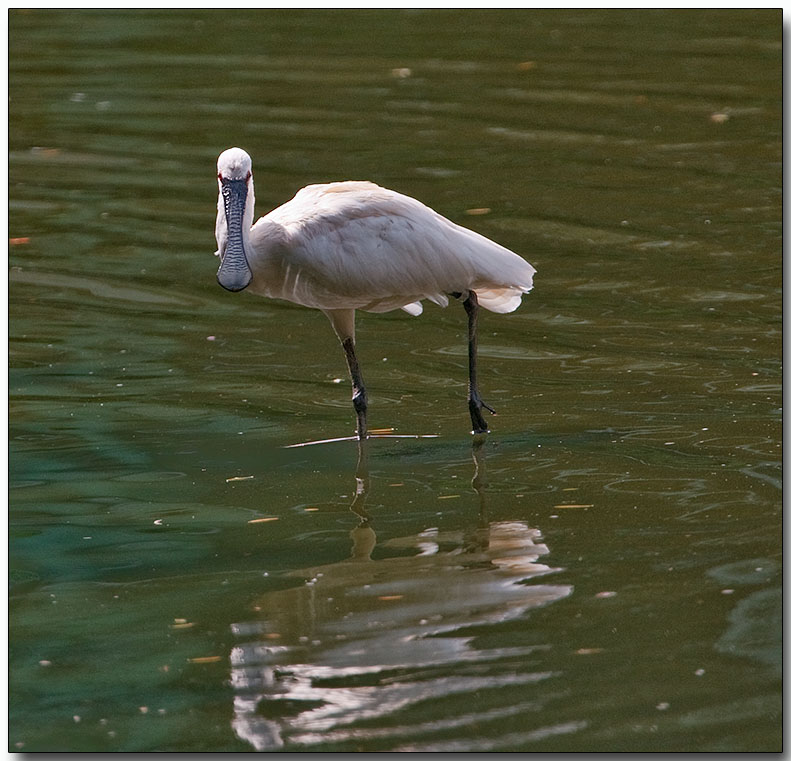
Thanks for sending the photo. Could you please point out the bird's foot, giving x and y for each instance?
(360, 402)
(479, 424)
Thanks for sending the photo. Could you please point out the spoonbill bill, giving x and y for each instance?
(343, 246)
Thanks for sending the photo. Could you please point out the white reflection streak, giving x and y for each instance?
(370, 702)
(512, 740)
(436, 725)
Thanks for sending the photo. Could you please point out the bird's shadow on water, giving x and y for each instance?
(364, 640)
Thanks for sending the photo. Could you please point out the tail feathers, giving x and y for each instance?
(499, 300)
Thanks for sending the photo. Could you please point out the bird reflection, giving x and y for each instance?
(362, 638)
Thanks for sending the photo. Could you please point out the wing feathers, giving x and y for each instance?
(357, 245)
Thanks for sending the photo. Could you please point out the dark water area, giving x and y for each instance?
(603, 573)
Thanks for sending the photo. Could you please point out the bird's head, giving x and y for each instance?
(235, 206)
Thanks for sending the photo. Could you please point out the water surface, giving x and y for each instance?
(604, 573)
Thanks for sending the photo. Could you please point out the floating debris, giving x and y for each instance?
(262, 520)
(371, 435)
(205, 659)
(40, 150)
(238, 478)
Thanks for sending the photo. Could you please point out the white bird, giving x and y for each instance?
(344, 246)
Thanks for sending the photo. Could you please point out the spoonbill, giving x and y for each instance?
(343, 246)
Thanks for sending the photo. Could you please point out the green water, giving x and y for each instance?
(604, 573)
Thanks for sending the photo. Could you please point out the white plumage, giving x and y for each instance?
(344, 246)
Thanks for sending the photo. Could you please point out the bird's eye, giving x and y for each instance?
(249, 175)
(219, 175)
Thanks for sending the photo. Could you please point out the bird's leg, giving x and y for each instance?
(473, 397)
(359, 395)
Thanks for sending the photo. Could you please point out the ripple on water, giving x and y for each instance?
(703, 295)
(101, 288)
(500, 352)
(753, 571)
(670, 487)
(152, 476)
(755, 627)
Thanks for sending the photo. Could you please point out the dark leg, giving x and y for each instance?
(359, 396)
(473, 397)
